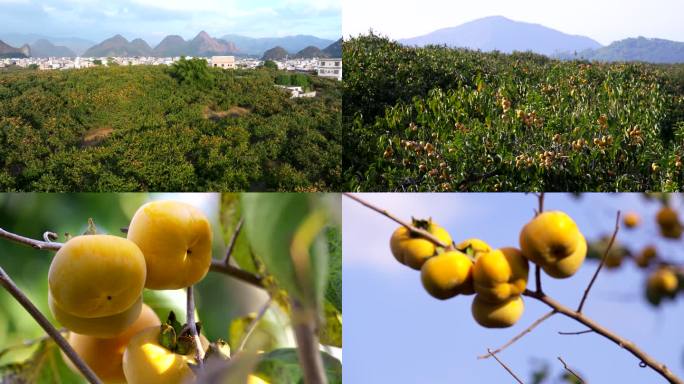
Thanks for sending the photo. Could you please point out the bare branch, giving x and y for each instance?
(540, 198)
(190, 317)
(55, 334)
(575, 333)
(519, 336)
(253, 324)
(600, 266)
(233, 239)
(37, 244)
(505, 367)
(537, 278)
(240, 274)
(643, 357)
(411, 228)
(570, 370)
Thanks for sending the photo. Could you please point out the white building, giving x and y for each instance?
(330, 68)
(225, 62)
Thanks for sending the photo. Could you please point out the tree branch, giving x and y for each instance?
(519, 336)
(575, 333)
(240, 274)
(505, 367)
(55, 334)
(570, 370)
(591, 324)
(190, 317)
(233, 240)
(600, 266)
(253, 324)
(415, 231)
(303, 325)
(37, 244)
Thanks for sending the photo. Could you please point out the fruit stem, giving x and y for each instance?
(55, 334)
(190, 317)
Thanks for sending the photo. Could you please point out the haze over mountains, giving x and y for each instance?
(505, 35)
(201, 45)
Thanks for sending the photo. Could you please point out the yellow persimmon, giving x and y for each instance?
(412, 250)
(497, 315)
(107, 326)
(447, 275)
(500, 274)
(97, 275)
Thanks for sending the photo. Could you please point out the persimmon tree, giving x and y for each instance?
(287, 245)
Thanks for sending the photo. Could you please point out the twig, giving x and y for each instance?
(37, 244)
(233, 240)
(643, 357)
(600, 266)
(303, 325)
(253, 324)
(570, 370)
(540, 198)
(416, 231)
(519, 336)
(55, 334)
(190, 316)
(240, 274)
(537, 268)
(576, 333)
(505, 367)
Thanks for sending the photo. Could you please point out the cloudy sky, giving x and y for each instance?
(394, 332)
(604, 20)
(153, 19)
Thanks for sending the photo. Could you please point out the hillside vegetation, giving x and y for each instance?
(443, 119)
(161, 129)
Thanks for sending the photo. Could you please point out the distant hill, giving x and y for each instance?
(505, 35)
(334, 49)
(634, 49)
(310, 52)
(75, 44)
(257, 46)
(276, 53)
(44, 48)
(7, 51)
(201, 45)
(120, 47)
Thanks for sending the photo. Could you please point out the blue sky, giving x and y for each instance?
(604, 20)
(154, 19)
(394, 332)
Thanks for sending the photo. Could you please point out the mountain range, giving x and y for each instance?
(201, 45)
(257, 46)
(505, 35)
(7, 51)
(279, 53)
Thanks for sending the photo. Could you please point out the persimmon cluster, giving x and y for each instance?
(497, 277)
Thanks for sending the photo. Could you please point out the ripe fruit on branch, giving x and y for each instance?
(176, 241)
(497, 315)
(668, 221)
(553, 241)
(500, 275)
(146, 361)
(661, 283)
(106, 326)
(447, 275)
(644, 258)
(96, 276)
(631, 220)
(105, 355)
(414, 250)
(473, 247)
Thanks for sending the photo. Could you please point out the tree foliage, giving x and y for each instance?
(445, 119)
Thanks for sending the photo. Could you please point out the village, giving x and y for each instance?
(331, 68)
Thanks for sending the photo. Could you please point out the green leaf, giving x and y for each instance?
(333, 292)
(163, 302)
(331, 331)
(285, 231)
(273, 331)
(282, 366)
(44, 366)
(231, 213)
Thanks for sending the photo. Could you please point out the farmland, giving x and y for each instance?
(441, 119)
(165, 129)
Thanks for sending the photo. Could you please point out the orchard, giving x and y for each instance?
(122, 306)
(500, 283)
